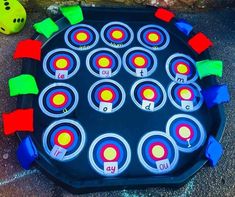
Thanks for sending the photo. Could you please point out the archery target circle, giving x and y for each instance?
(117, 34)
(81, 37)
(179, 93)
(103, 59)
(58, 100)
(67, 134)
(181, 68)
(106, 91)
(153, 37)
(61, 60)
(158, 152)
(139, 59)
(148, 90)
(109, 147)
(187, 132)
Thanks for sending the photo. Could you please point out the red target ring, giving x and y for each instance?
(106, 95)
(110, 62)
(185, 93)
(64, 138)
(111, 148)
(182, 68)
(84, 35)
(148, 93)
(150, 37)
(119, 34)
(61, 59)
(56, 97)
(184, 132)
(158, 156)
(139, 61)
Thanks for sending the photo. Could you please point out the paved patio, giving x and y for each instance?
(220, 181)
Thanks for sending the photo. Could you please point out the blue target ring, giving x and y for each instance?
(148, 90)
(58, 100)
(156, 32)
(103, 58)
(76, 140)
(148, 60)
(187, 132)
(181, 61)
(98, 157)
(66, 104)
(87, 32)
(139, 58)
(107, 91)
(179, 93)
(104, 87)
(52, 62)
(81, 37)
(163, 142)
(61, 60)
(179, 88)
(67, 134)
(153, 37)
(120, 29)
(155, 147)
(158, 97)
(117, 34)
(181, 68)
(183, 122)
(105, 55)
(99, 153)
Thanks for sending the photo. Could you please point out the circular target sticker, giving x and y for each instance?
(61, 64)
(103, 62)
(139, 62)
(109, 154)
(106, 96)
(158, 152)
(148, 94)
(181, 68)
(187, 132)
(58, 100)
(81, 37)
(64, 139)
(153, 37)
(117, 34)
(186, 97)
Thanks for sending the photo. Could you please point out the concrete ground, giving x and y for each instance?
(219, 25)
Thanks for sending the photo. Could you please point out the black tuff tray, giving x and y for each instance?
(128, 121)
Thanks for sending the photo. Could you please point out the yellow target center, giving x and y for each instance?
(117, 34)
(182, 68)
(185, 94)
(64, 139)
(158, 151)
(106, 95)
(59, 99)
(103, 62)
(153, 37)
(139, 61)
(149, 94)
(110, 153)
(81, 36)
(61, 63)
(184, 132)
